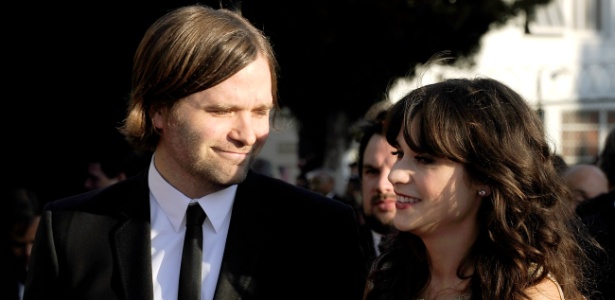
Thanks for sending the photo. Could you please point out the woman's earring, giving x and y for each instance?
(482, 193)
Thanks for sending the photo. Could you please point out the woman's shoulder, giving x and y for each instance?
(547, 289)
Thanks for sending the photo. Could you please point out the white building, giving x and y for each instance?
(281, 149)
(564, 65)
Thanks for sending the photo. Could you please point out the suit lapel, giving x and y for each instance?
(244, 242)
(132, 242)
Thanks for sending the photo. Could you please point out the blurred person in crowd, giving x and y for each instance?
(20, 219)
(598, 214)
(110, 159)
(322, 181)
(375, 160)
(606, 159)
(586, 181)
(481, 212)
(109, 165)
(302, 181)
(204, 87)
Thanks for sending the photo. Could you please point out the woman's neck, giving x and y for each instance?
(447, 251)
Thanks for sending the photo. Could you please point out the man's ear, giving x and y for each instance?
(158, 118)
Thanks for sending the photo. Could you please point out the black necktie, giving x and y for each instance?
(190, 272)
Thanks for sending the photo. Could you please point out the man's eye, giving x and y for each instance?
(371, 171)
(262, 112)
(219, 112)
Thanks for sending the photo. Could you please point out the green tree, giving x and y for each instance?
(339, 57)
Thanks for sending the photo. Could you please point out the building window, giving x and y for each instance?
(586, 15)
(580, 136)
(550, 19)
(583, 133)
(546, 19)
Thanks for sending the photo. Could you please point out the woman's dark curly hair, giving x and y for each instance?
(526, 230)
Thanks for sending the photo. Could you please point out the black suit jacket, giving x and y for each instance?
(10, 279)
(598, 214)
(283, 243)
(367, 243)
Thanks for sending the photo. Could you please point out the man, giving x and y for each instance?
(606, 159)
(20, 218)
(598, 214)
(204, 83)
(375, 162)
(322, 181)
(110, 164)
(586, 181)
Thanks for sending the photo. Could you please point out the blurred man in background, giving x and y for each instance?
(378, 199)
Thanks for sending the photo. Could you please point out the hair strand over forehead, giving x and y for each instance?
(188, 50)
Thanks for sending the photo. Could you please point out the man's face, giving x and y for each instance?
(22, 241)
(211, 137)
(321, 184)
(586, 181)
(378, 196)
(97, 178)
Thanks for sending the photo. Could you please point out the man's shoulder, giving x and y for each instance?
(112, 197)
(280, 190)
(601, 204)
(264, 183)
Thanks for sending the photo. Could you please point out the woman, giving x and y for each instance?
(481, 210)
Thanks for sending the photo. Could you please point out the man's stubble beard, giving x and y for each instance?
(212, 172)
(374, 224)
(219, 178)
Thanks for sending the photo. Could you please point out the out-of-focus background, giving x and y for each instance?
(68, 69)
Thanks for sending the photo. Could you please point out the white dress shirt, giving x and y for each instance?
(377, 237)
(168, 208)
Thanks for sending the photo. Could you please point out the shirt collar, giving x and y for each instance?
(174, 203)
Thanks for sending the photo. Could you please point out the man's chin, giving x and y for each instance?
(376, 225)
(239, 176)
(227, 175)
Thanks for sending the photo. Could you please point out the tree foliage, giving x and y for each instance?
(339, 57)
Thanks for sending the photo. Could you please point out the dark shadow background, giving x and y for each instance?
(67, 78)
(67, 69)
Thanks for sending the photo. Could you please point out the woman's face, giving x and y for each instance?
(434, 195)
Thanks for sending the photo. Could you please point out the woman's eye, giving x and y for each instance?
(424, 159)
(398, 153)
